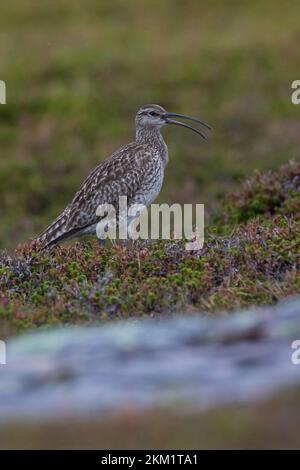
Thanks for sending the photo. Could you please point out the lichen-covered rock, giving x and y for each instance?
(181, 363)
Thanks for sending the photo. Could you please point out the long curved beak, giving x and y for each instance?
(167, 117)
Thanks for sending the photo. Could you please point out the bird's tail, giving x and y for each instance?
(54, 233)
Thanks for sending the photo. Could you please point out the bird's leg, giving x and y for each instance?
(101, 242)
(128, 241)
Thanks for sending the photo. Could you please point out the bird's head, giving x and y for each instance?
(151, 116)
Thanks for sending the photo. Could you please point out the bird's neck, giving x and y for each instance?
(153, 138)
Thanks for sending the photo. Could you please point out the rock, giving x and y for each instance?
(183, 363)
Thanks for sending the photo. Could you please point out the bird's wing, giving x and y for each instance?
(121, 174)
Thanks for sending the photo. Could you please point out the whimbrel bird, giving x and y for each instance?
(136, 171)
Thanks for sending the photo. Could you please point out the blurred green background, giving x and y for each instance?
(76, 72)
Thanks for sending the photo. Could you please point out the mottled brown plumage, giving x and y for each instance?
(136, 170)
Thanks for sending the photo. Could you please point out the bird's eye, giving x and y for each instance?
(153, 113)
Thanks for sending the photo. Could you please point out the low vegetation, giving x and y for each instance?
(250, 256)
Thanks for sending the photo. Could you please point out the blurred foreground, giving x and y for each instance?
(98, 377)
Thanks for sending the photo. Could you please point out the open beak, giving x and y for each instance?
(167, 117)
